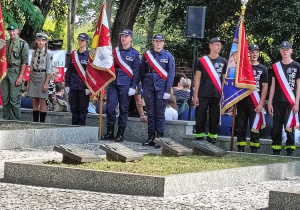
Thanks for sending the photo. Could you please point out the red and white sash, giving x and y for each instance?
(293, 120)
(259, 121)
(211, 71)
(80, 70)
(155, 65)
(122, 64)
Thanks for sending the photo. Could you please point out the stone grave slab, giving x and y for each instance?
(203, 147)
(119, 152)
(172, 148)
(73, 154)
(287, 198)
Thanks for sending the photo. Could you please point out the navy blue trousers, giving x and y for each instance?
(79, 103)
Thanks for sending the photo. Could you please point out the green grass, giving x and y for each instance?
(160, 165)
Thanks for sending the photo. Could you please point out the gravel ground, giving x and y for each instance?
(13, 196)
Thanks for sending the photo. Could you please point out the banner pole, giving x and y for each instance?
(100, 115)
(233, 127)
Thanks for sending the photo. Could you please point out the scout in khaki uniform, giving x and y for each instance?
(17, 60)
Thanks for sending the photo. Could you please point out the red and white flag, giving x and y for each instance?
(3, 63)
(100, 69)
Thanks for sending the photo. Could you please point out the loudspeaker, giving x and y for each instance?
(195, 22)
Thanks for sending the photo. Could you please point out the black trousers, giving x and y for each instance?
(79, 103)
(281, 113)
(212, 106)
(245, 114)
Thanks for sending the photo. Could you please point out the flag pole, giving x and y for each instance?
(233, 127)
(100, 116)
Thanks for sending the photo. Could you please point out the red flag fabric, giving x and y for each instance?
(100, 69)
(3, 62)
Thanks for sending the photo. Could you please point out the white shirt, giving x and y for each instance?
(171, 114)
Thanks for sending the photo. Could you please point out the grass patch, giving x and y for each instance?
(161, 165)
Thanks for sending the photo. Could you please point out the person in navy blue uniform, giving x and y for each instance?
(75, 86)
(127, 66)
(157, 75)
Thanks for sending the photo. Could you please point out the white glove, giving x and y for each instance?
(87, 91)
(166, 96)
(67, 89)
(131, 91)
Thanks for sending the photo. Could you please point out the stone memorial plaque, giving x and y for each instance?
(72, 154)
(119, 152)
(203, 147)
(172, 148)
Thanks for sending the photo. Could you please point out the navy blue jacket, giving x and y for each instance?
(72, 79)
(166, 61)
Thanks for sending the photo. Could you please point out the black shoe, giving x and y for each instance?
(199, 138)
(253, 149)
(211, 140)
(151, 137)
(120, 134)
(289, 152)
(110, 135)
(241, 149)
(276, 152)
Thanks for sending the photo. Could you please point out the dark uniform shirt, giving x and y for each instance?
(260, 73)
(207, 87)
(72, 78)
(292, 73)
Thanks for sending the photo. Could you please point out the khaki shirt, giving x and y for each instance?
(18, 55)
(41, 61)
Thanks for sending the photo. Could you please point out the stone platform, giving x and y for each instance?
(284, 199)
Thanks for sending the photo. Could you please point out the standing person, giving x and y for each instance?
(207, 94)
(284, 99)
(127, 66)
(40, 70)
(157, 74)
(11, 85)
(250, 108)
(75, 81)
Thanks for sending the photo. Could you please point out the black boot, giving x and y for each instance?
(151, 137)
(110, 134)
(289, 152)
(276, 152)
(120, 134)
(36, 116)
(199, 138)
(253, 149)
(211, 140)
(241, 149)
(43, 116)
(159, 135)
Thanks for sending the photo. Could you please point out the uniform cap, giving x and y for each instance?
(126, 32)
(12, 26)
(285, 45)
(41, 35)
(253, 47)
(83, 36)
(216, 39)
(159, 37)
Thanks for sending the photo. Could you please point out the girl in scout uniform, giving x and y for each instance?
(40, 70)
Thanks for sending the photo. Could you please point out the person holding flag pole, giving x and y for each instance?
(3, 61)
(100, 70)
(239, 80)
(284, 99)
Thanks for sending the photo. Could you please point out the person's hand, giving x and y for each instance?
(18, 81)
(143, 118)
(67, 89)
(295, 108)
(166, 96)
(270, 108)
(258, 108)
(87, 91)
(27, 87)
(196, 101)
(45, 88)
(131, 91)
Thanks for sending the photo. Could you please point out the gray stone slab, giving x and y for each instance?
(284, 199)
(76, 154)
(205, 148)
(119, 152)
(172, 148)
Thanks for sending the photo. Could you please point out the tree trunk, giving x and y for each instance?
(125, 18)
(71, 24)
(151, 24)
(108, 11)
(28, 33)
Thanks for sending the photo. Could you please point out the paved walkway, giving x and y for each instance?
(13, 196)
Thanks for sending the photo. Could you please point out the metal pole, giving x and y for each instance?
(192, 84)
(233, 127)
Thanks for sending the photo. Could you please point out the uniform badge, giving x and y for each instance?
(83, 62)
(129, 58)
(289, 71)
(217, 65)
(164, 60)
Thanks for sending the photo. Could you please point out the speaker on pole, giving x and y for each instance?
(195, 22)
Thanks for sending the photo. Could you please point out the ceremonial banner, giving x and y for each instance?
(239, 79)
(3, 63)
(100, 69)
